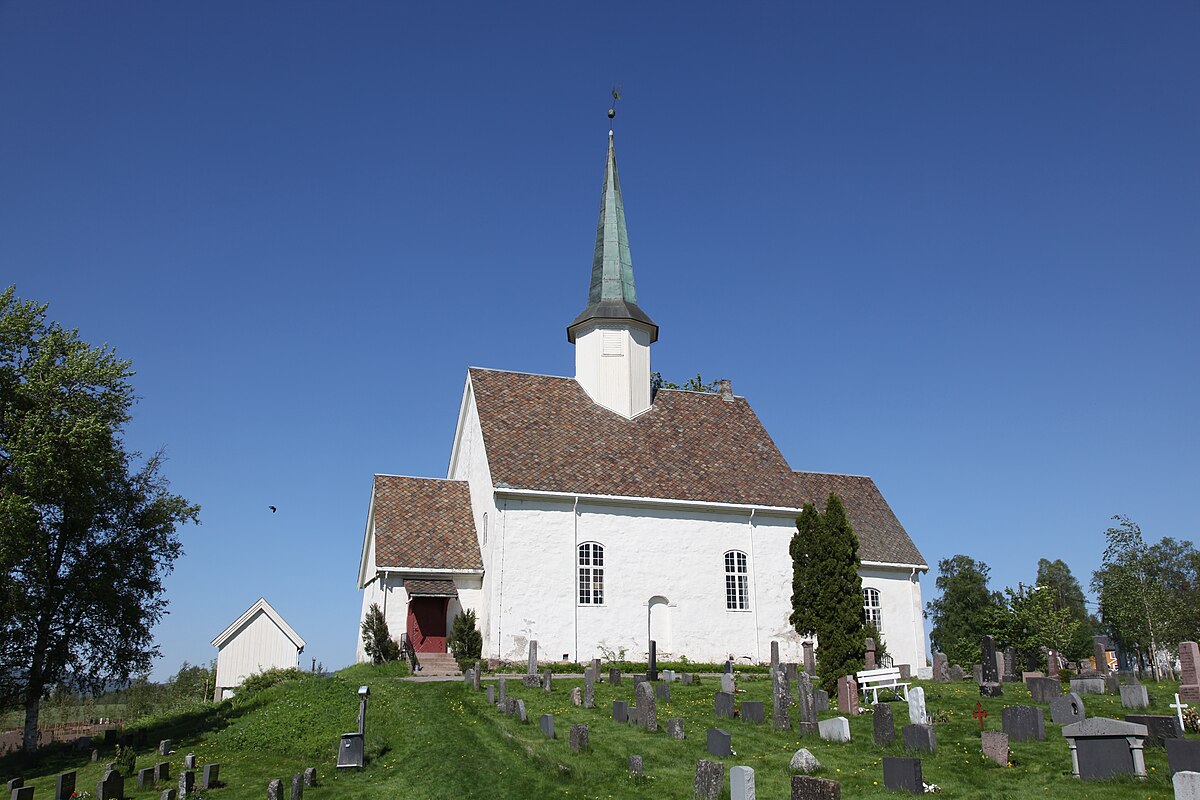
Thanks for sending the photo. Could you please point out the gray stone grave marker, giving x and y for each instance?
(834, 729)
(162, 771)
(806, 787)
(774, 654)
(189, 761)
(620, 711)
(804, 761)
(636, 766)
(956, 673)
(546, 723)
(675, 728)
(577, 696)
(1134, 696)
(663, 691)
(1087, 685)
(1159, 728)
(12, 784)
(475, 675)
(780, 699)
(741, 780)
(920, 738)
(1102, 748)
(917, 715)
(310, 776)
(1186, 785)
(754, 712)
(719, 743)
(145, 778)
(710, 780)
(903, 775)
(810, 662)
(806, 704)
(614, 676)
(995, 746)
(187, 782)
(210, 776)
(503, 684)
(1023, 723)
(1044, 690)
(723, 704)
(297, 787)
(164, 747)
(275, 789)
(23, 793)
(941, 668)
(168, 794)
(727, 683)
(589, 688)
(647, 707)
(531, 665)
(521, 714)
(821, 698)
(578, 738)
(884, 724)
(491, 695)
(1067, 709)
(1010, 665)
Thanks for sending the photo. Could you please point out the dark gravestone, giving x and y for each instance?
(1011, 675)
(1183, 755)
(13, 784)
(578, 738)
(821, 699)
(636, 766)
(806, 705)
(614, 676)
(275, 790)
(162, 771)
(23, 793)
(1158, 728)
(169, 794)
(1102, 748)
(723, 704)
(145, 778)
(988, 665)
(310, 774)
(620, 711)
(941, 668)
(187, 782)
(647, 707)
(1067, 709)
(210, 777)
(111, 786)
(189, 761)
(956, 673)
(652, 666)
(663, 691)
(1044, 689)
(164, 747)
(475, 675)
(710, 780)
(720, 743)
(754, 712)
(297, 787)
(806, 787)
(1023, 723)
(503, 684)
(64, 786)
(903, 775)
(885, 724)
(546, 723)
(920, 738)
(675, 728)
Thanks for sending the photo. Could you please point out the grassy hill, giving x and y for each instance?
(442, 740)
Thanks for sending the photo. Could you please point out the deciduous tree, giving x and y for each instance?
(1056, 580)
(965, 612)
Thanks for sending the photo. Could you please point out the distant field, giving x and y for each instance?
(441, 741)
(52, 714)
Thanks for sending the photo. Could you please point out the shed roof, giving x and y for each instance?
(260, 606)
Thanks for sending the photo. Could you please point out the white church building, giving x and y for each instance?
(592, 514)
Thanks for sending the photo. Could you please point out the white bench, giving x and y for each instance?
(872, 680)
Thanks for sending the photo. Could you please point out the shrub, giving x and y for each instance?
(377, 639)
(126, 760)
(465, 641)
(266, 679)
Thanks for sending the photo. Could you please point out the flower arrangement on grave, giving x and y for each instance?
(931, 788)
(1191, 720)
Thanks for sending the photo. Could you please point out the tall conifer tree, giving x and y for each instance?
(805, 584)
(839, 612)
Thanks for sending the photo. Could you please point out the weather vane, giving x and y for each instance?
(612, 110)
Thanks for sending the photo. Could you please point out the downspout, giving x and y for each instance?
(500, 577)
(918, 639)
(575, 570)
(754, 572)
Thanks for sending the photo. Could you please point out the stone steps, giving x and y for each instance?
(437, 664)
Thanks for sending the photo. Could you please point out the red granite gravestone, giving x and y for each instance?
(1189, 671)
(848, 695)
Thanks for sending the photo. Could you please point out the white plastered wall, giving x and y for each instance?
(902, 626)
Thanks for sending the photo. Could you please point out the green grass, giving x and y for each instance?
(442, 740)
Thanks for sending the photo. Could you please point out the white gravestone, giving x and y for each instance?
(916, 706)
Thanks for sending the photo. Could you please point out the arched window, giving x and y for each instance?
(871, 608)
(737, 582)
(591, 574)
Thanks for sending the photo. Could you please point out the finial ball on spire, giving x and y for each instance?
(612, 112)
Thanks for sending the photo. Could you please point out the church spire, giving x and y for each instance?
(612, 295)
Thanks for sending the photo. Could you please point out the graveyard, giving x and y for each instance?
(446, 740)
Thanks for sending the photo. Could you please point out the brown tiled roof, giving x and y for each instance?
(423, 588)
(545, 433)
(422, 523)
(881, 537)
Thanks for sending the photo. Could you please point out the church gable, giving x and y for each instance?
(423, 524)
(881, 537)
(545, 433)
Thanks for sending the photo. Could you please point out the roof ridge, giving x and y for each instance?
(835, 474)
(417, 477)
(521, 372)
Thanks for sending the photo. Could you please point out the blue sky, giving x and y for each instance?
(953, 246)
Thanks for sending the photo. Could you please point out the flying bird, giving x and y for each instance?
(273, 509)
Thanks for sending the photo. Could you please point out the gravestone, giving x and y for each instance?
(956, 673)
(1159, 728)
(835, 729)
(804, 761)
(652, 666)
(275, 790)
(162, 771)
(589, 688)
(1183, 755)
(884, 723)
(1189, 671)
(903, 775)
(905, 671)
(719, 743)
(668, 675)
(164, 747)
(647, 707)
(168, 794)
(774, 655)
(297, 787)
(723, 704)
(977, 674)
(941, 668)
(1102, 748)
(1010, 665)
(847, 689)
(210, 777)
(821, 699)
(187, 782)
(546, 724)
(1100, 653)
(310, 776)
(710, 780)
(806, 787)
(1052, 663)
(663, 691)
(64, 785)
(920, 738)
(1067, 709)
(503, 684)
(596, 670)
(577, 696)
(620, 711)
(475, 675)
(741, 782)
(727, 684)
(1044, 690)
(687, 678)
(989, 686)
(635, 766)
(491, 695)
(521, 714)
(189, 761)
(754, 712)
(578, 738)
(806, 704)
(871, 664)
(779, 701)
(1087, 685)
(1186, 785)
(22, 793)
(1023, 723)
(531, 665)
(995, 746)
(145, 778)
(614, 676)
(917, 715)
(1027, 674)
(675, 728)
(1134, 696)
(111, 786)
(810, 663)
(13, 784)
(1112, 683)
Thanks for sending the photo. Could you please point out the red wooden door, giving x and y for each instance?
(427, 624)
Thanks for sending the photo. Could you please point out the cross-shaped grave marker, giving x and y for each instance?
(980, 713)
(1179, 707)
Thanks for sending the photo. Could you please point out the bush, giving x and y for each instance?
(377, 639)
(266, 679)
(126, 760)
(465, 640)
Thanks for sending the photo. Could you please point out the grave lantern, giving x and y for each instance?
(350, 753)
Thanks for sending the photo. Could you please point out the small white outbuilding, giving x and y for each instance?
(258, 640)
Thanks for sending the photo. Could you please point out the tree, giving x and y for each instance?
(377, 639)
(827, 590)
(465, 640)
(1055, 579)
(1032, 621)
(966, 611)
(696, 384)
(86, 533)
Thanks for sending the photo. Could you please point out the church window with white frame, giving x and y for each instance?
(591, 574)
(872, 609)
(737, 582)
